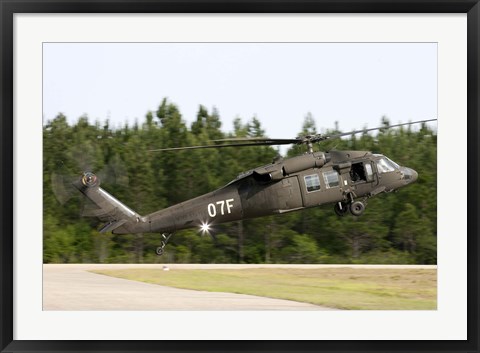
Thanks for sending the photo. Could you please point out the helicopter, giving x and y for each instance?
(346, 179)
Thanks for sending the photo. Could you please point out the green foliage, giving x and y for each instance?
(397, 228)
(302, 249)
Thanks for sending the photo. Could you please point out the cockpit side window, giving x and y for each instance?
(369, 171)
(385, 165)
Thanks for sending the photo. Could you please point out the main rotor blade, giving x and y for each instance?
(321, 137)
(264, 143)
(261, 139)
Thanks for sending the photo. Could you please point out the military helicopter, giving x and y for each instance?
(346, 179)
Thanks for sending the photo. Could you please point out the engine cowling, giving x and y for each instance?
(306, 161)
(278, 171)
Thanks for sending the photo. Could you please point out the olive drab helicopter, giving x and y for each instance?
(346, 179)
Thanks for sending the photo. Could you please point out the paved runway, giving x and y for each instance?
(72, 287)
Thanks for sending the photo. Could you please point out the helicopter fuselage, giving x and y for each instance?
(310, 180)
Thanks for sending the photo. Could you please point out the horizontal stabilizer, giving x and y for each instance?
(112, 225)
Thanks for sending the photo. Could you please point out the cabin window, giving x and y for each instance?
(312, 182)
(331, 178)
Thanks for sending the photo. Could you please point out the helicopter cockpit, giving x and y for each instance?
(386, 165)
(362, 171)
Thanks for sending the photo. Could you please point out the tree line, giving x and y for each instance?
(395, 228)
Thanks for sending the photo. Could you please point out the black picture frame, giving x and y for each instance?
(10, 7)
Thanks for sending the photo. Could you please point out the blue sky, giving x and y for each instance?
(279, 83)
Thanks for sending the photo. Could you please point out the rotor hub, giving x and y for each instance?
(89, 179)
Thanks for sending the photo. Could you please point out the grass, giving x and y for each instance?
(343, 288)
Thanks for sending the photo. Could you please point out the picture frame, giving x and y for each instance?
(7, 178)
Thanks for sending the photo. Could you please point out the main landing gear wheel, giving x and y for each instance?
(341, 208)
(159, 251)
(357, 208)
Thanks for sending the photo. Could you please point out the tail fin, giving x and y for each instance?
(105, 206)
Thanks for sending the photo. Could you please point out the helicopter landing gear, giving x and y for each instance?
(357, 208)
(166, 237)
(341, 208)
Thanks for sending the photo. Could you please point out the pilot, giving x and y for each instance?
(354, 175)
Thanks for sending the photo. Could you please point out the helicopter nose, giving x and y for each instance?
(410, 175)
(414, 176)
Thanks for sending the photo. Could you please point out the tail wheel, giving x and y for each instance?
(341, 208)
(161, 249)
(357, 208)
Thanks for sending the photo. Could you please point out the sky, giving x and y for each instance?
(279, 83)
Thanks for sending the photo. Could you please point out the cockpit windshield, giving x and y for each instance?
(386, 165)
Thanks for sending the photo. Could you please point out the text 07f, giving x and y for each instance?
(220, 207)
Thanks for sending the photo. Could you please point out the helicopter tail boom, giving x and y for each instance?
(106, 207)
